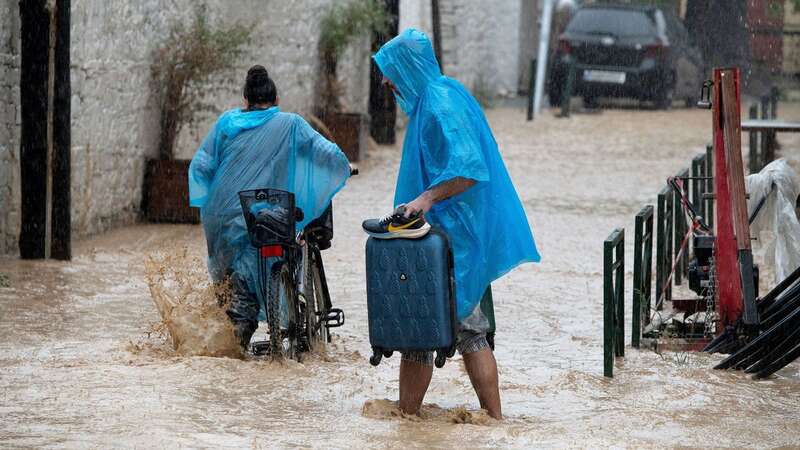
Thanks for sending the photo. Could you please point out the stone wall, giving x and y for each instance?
(114, 115)
(9, 125)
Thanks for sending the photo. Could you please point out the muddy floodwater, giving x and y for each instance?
(84, 361)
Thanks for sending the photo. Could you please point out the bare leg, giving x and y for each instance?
(482, 369)
(414, 381)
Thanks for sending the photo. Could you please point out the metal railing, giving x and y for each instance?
(668, 231)
(699, 184)
(664, 233)
(763, 144)
(613, 299)
(642, 273)
(708, 194)
(680, 228)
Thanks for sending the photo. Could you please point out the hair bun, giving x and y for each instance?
(258, 86)
(257, 71)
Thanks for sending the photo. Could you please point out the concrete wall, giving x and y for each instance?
(114, 115)
(9, 129)
(483, 43)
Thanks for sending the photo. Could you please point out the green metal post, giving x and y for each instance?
(642, 270)
(619, 294)
(698, 171)
(664, 245)
(531, 89)
(679, 220)
(608, 310)
(569, 86)
(683, 227)
(661, 246)
(710, 185)
(669, 223)
(767, 137)
(613, 299)
(753, 141)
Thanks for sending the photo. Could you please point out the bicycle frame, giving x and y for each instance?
(310, 310)
(270, 215)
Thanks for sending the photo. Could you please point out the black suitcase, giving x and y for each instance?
(410, 296)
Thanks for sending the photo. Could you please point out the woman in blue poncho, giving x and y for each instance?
(452, 172)
(257, 146)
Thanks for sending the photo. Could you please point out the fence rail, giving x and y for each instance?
(667, 234)
(709, 199)
(699, 185)
(680, 228)
(642, 273)
(664, 228)
(613, 299)
(763, 144)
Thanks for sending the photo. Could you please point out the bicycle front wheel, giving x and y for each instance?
(317, 331)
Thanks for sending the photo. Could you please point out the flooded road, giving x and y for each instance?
(83, 363)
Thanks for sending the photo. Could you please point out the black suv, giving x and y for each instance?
(627, 51)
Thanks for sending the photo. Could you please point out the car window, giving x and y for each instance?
(667, 32)
(618, 22)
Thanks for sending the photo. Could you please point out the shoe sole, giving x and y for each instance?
(402, 234)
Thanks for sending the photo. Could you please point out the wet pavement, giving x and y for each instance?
(83, 363)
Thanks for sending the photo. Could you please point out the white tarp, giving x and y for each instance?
(776, 226)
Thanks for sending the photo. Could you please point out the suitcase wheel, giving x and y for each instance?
(387, 353)
(441, 357)
(375, 359)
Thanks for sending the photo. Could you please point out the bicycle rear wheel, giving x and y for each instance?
(281, 286)
(274, 310)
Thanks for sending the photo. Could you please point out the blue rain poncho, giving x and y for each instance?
(448, 137)
(258, 149)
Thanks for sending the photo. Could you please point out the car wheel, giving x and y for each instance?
(590, 102)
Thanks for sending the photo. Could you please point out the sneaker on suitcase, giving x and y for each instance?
(397, 225)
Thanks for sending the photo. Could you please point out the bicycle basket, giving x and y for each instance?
(270, 216)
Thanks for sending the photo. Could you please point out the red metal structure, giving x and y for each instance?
(735, 294)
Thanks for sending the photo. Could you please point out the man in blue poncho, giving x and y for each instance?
(451, 171)
(257, 147)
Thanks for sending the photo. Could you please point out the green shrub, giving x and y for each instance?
(344, 23)
(187, 58)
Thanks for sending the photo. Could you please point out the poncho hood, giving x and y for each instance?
(409, 62)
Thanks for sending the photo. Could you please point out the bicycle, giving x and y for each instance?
(297, 273)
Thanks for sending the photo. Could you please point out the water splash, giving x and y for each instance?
(192, 309)
(388, 409)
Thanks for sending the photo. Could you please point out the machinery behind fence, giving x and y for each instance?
(702, 236)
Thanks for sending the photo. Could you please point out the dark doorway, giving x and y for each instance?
(45, 129)
(382, 110)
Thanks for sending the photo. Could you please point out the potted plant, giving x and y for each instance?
(344, 23)
(187, 58)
